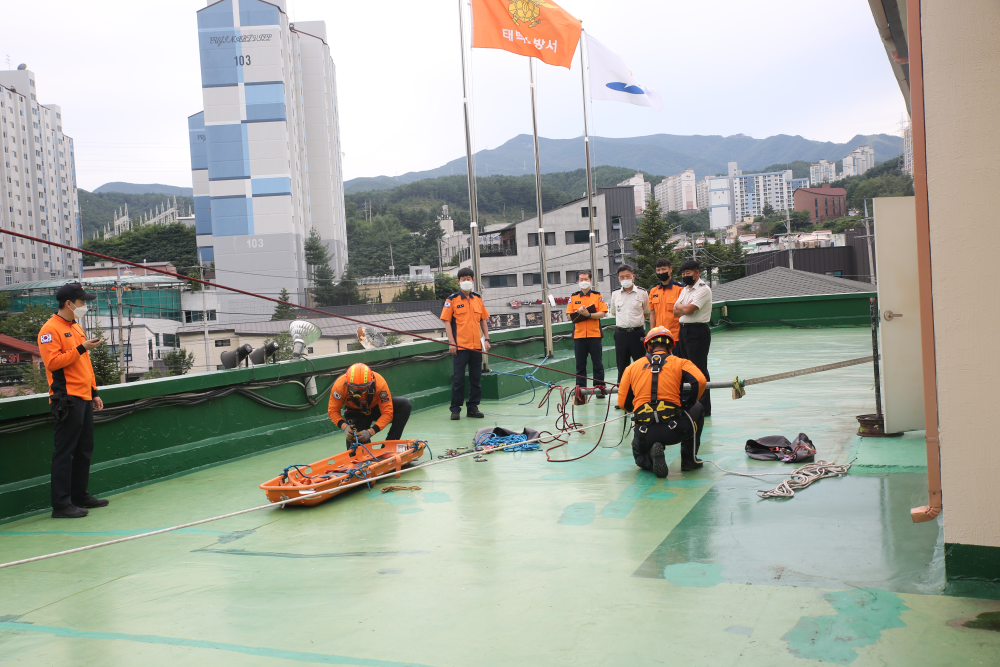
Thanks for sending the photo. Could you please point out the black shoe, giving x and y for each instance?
(659, 460)
(618, 407)
(688, 466)
(90, 502)
(474, 414)
(455, 416)
(69, 512)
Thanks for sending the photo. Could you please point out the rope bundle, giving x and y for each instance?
(509, 443)
(804, 476)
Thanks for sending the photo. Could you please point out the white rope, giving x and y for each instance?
(806, 475)
(281, 503)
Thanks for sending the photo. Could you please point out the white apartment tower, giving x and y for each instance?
(38, 195)
(860, 160)
(677, 192)
(642, 191)
(701, 193)
(738, 195)
(265, 152)
(822, 172)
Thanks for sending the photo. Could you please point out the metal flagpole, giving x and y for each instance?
(473, 207)
(586, 144)
(546, 305)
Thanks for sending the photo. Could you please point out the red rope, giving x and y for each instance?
(267, 298)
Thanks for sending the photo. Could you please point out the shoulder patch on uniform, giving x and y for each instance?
(447, 304)
(68, 334)
(383, 396)
(337, 395)
(46, 338)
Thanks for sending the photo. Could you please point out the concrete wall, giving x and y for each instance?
(961, 51)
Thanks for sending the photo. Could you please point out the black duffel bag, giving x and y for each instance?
(777, 448)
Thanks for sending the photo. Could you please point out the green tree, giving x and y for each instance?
(105, 362)
(768, 210)
(174, 243)
(4, 302)
(284, 341)
(33, 380)
(179, 362)
(344, 293)
(282, 311)
(413, 293)
(444, 285)
(25, 325)
(800, 220)
(192, 285)
(315, 251)
(650, 242)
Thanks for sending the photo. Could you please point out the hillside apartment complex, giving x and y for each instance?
(265, 152)
(38, 173)
(738, 195)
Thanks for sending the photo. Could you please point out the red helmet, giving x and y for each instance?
(658, 335)
(360, 383)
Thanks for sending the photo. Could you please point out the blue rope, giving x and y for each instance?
(530, 378)
(514, 443)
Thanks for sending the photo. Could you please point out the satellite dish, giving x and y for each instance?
(370, 338)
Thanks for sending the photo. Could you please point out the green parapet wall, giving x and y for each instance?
(174, 439)
(823, 310)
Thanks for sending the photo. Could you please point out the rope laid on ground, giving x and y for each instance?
(806, 475)
(280, 503)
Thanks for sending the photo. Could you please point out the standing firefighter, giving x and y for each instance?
(585, 310)
(369, 406)
(664, 413)
(468, 332)
(73, 399)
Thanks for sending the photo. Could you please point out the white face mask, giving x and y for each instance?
(79, 312)
(626, 283)
(584, 285)
(466, 285)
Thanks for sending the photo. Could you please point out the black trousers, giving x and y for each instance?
(74, 447)
(693, 345)
(689, 440)
(401, 409)
(628, 348)
(589, 347)
(474, 360)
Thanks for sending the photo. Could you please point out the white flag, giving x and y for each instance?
(612, 80)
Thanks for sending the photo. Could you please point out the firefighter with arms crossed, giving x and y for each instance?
(361, 406)
(664, 413)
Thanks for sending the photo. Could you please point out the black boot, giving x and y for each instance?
(69, 512)
(659, 460)
(689, 460)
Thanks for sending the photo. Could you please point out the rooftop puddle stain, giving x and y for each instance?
(577, 514)
(861, 617)
(989, 620)
(694, 575)
(297, 656)
(436, 497)
(739, 630)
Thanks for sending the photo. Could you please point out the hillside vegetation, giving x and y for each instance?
(883, 180)
(98, 208)
(174, 243)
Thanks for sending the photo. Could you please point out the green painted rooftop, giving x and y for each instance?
(516, 561)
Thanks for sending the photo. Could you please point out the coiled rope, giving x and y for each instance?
(507, 443)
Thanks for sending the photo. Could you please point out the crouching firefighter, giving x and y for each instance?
(663, 412)
(361, 406)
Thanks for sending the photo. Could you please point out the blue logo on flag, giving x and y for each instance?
(625, 88)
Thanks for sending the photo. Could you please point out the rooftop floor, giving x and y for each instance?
(519, 561)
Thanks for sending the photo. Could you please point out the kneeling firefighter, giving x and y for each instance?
(365, 395)
(663, 412)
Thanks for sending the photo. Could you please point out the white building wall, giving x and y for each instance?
(701, 193)
(38, 178)
(858, 161)
(643, 190)
(821, 172)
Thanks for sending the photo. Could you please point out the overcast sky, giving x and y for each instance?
(126, 73)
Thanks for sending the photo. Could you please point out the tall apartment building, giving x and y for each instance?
(701, 193)
(677, 192)
(822, 172)
(858, 161)
(642, 191)
(38, 173)
(738, 195)
(265, 152)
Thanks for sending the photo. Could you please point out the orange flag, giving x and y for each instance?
(538, 28)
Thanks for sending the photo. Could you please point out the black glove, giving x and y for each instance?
(62, 408)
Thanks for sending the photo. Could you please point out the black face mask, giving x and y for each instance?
(687, 280)
(664, 277)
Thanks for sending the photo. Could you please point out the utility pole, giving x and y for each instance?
(204, 319)
(392, 263)
(788, 246)
(121, 340)
(868, 238)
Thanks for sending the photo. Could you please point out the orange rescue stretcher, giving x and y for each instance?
(367, 461)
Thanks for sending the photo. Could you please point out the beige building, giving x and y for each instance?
(339, 335)
(678, 192)
(643, 190)
(945, 56)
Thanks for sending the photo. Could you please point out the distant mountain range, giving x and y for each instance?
(139, 189)
(657, 154)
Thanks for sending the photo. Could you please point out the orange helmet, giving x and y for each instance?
(658, 335)
(360, 382)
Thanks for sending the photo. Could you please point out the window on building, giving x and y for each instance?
(223, 342)
(576, 238)
(600, 275)
(156, 338)
(553, 277)
(550, 239)
(501, 281)
(583, 212)
(529, 279)
(616, 222)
